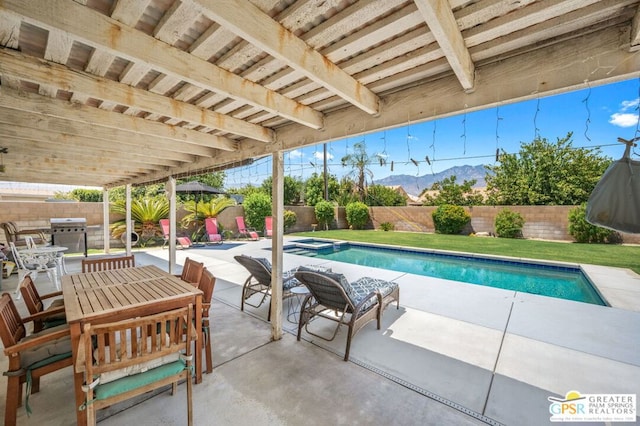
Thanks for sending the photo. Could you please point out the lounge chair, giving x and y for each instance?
(334, 298)
(182, 241)
(245, 232)
(211, 226)
(268, 226)
(13, 235)
(259, 282)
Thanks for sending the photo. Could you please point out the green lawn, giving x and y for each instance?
(621, 256)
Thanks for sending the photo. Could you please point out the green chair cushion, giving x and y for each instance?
(129, 383)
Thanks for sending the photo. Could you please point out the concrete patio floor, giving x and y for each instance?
(453, 353)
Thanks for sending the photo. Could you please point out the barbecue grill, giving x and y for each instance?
(70, 232)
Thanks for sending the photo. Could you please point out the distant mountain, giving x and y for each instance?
(414, 185)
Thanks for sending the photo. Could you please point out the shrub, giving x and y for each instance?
(584, 232)
(387, 226)
(257, 206)
(509, 224)
(357, 214)
(449, 219)
(290, 219)
(325, 213)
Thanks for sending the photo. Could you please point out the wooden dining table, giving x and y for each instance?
(115, 295)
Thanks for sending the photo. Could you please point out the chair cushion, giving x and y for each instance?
(59, 346)
(365, 285)
(60, 315)
(125, 384)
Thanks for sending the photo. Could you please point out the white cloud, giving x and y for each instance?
(623, 119)
(626, 105)
(320, 156)
(295, 154)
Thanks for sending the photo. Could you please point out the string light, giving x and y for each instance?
(588, 120)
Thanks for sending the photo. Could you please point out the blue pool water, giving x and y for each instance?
(548, 280)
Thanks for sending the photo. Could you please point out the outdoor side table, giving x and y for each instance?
(293, 310)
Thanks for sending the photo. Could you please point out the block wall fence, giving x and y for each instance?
(541, 222)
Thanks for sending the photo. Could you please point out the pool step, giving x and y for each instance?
(301, 252)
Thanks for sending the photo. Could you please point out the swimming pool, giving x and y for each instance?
(564, 282)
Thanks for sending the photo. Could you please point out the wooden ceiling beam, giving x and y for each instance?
(62, 142)
(258, 28)
(176, 138)
(439, 17)
(100, 31)
(39, 71)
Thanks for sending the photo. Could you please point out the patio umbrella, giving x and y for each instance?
(196, 187)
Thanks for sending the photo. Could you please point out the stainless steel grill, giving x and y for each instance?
(70, 232)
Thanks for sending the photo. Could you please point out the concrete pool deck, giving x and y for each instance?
(453, 353)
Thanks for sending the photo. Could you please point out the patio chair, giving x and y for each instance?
(334, 298)
(207, 283)
(29, 357)
(211, 226)
(118, 366)
(259, 282)
(245, 232)
(182, 241)
(108, 263)
(13, 235)
(268, 226)
(52, 315)
(24, 267)
(191, 271)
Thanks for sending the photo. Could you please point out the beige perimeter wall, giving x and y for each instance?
(541, 222)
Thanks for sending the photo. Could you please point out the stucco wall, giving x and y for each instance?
(543, 222)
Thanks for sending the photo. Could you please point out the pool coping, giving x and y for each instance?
(617, 287)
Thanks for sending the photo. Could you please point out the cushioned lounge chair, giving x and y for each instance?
(181, 241)
(245, 232)
(211, 226)
(259, 282)
(334, 298)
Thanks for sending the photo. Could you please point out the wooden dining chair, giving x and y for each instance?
(108, 263)
(52, 315)
(118, 367)
(191, 271)
(29, 357)
(206, 284)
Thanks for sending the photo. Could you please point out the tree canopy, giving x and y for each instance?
(545, 173)
(450, 192)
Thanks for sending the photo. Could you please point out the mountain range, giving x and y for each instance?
(414, 185)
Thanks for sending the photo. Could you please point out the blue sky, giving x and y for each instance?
(596, 116)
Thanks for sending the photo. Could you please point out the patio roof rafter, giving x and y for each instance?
(259, 29)
(39, 71)
(439, 17)
(103, 32)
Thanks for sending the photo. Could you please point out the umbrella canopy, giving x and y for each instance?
(197, 187)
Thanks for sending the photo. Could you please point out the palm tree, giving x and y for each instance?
(359, 161)
(198, 212)
(146, 212)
